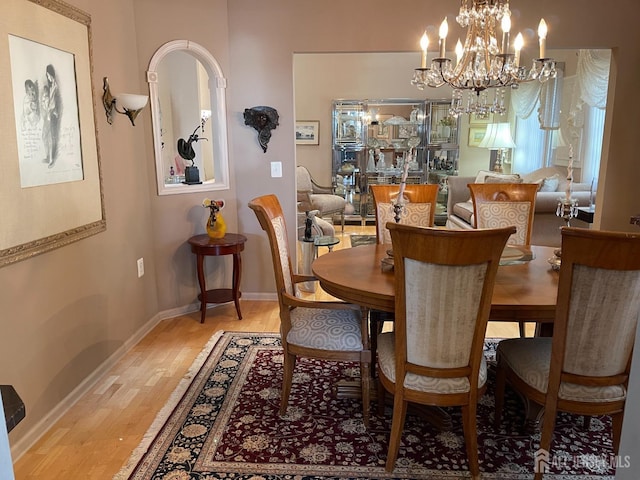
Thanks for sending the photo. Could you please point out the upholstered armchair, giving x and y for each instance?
(312, 196)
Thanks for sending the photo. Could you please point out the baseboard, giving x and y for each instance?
(21, 446)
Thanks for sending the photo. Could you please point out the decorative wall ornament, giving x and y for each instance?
(263, 119)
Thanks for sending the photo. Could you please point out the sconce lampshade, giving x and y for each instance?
(130, 104)
(498, 135)
(131, 101)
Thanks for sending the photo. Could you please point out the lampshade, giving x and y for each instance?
(131, 101)
(498, 135)
(557, 139)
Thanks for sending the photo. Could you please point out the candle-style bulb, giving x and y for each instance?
(458, 51)
(542, 34)
(517, 46)
(444, 30)
(424, 43)
(506, 27)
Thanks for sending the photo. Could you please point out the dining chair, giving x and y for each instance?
(419, 209)
(500, 204)
(434, 356)
(325, 330)
(584, 367)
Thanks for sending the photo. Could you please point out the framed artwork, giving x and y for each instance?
(307, 132)
(476, 134)
(475, 120)
(51, 187)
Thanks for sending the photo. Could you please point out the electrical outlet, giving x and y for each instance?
(276, 169)
(140, 267)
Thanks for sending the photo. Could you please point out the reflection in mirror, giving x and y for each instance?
(187, 91)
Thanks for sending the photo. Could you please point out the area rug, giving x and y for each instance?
(357, 240)
(224, 423)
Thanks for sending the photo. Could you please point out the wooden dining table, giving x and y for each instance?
(524, 291)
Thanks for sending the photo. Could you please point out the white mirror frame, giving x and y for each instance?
(217, 86)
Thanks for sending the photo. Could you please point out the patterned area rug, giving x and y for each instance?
(357, 240)
(224, 423)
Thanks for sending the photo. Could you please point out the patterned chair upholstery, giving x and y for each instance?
(324, 330)
(584, 368)
(419, 209)
(497, 205)
(435, 355)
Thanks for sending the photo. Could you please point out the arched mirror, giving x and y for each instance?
(188, 109)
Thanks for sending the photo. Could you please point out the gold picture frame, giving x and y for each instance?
(475, 120)
(51, 188)
(476, 134)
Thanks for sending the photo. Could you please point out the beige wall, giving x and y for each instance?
(67, 311)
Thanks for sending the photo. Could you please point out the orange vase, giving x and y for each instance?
(216, 228)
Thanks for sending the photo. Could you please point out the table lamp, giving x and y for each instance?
(498, 137)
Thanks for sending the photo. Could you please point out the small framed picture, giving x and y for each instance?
(307, 132)
(476, 134)
(481, 120)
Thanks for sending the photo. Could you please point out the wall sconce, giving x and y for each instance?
(130, 103)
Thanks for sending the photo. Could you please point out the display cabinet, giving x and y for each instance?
(372, 141)
(442, 151)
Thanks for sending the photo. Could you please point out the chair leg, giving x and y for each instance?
(469, 426)
(397, 425)
(287, 379)
(501, 377)
(521, 327)
(376, 322)
(342, 221)
(548, 424)
(381, 398)
(365, 386)
(616, 420)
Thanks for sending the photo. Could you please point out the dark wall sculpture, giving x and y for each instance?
(263, 119)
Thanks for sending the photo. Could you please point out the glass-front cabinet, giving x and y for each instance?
(373, 141)
(442, 151)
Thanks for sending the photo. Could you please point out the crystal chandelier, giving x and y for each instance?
(482, 64)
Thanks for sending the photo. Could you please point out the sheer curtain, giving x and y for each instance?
(583, 120)
(528, 155)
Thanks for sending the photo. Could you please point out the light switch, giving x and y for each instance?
(276, 169)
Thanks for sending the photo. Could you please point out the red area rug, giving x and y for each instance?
(223, 423)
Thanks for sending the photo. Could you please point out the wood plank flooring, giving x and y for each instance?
(97, 435)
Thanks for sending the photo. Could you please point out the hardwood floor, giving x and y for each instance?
(97, 435)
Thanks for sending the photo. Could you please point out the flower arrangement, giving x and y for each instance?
(448, 121)
(216, 226)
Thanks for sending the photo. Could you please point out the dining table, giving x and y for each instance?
(524, 290)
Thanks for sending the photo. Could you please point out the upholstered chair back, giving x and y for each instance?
(418, 210)
(444, 284)
(600, 274)
(499, 205)
(269, 213)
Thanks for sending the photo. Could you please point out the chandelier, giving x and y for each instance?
(482, 64)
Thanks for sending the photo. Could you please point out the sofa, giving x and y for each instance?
(546, 224)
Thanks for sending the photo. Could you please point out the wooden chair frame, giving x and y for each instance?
(505, 192)
(266, 209)
(442, 247)
(415, 193)
(597, 249)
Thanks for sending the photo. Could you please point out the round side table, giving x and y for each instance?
(230, 244)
